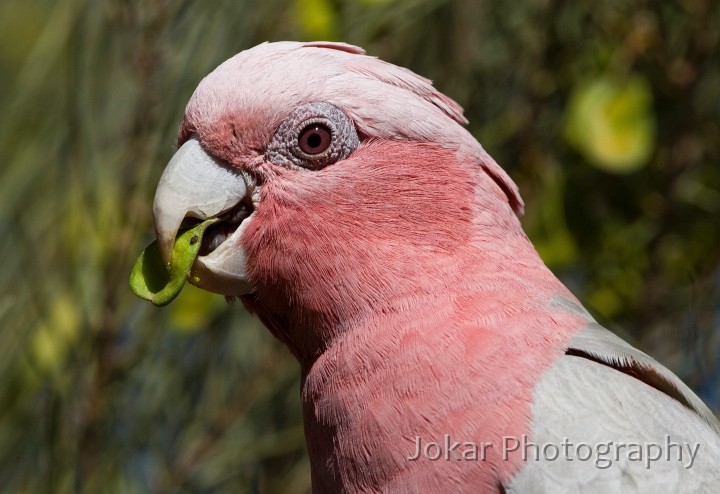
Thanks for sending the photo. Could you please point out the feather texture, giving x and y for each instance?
(401, 279)
(665, 446)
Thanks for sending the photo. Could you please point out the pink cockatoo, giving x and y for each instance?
(373, 235)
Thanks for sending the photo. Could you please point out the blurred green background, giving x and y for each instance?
(607, 114)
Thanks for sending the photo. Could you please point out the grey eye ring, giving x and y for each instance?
(313, 136)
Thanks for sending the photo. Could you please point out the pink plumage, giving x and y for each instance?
(394, 267)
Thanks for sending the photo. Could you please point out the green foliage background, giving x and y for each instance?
(607, 114)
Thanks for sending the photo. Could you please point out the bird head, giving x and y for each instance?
(342, 182)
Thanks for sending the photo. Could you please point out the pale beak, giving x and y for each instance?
(196, 185)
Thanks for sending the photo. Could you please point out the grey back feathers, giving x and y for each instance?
(619, 422)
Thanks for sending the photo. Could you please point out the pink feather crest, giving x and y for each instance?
(385, 101)
(503, 180)
(410, 81)
(334, 45)
(396, 76)
(423, 88)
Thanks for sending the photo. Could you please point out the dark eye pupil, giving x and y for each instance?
(314, 139)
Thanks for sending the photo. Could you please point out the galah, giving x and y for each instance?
(373, 235)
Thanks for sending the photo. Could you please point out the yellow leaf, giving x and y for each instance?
(194, 310)
(611, 122)
(317, 19)
(606, 301)
(54, 335)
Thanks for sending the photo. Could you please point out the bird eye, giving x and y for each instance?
(314, 139)
(312, 136)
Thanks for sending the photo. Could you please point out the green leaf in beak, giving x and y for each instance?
(152, 280)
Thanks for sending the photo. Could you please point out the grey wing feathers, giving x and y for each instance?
(579, 401)
(607, 348)
(605, 393)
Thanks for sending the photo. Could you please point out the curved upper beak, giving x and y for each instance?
(195, 184)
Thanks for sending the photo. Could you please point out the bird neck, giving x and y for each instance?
(396, 230)
(458, 360)
(410, 316)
